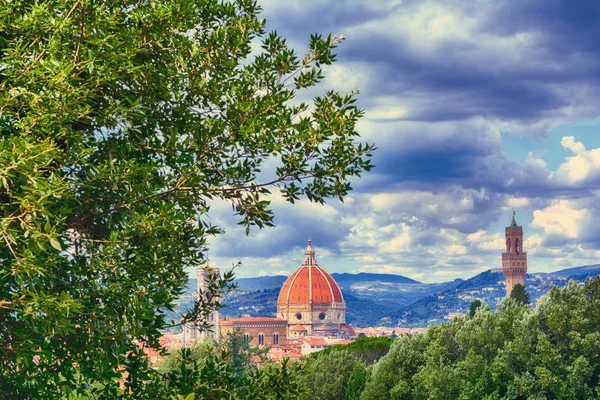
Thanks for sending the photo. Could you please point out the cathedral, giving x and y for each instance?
(310, 304)
(514, 261)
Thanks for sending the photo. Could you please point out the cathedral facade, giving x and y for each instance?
(514, 260)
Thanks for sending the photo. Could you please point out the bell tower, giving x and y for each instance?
(514, 261)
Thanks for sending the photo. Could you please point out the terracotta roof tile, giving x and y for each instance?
(310, 280)
(315, 342)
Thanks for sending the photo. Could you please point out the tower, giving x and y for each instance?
(191, 333)
(514, 261)
(203, 279)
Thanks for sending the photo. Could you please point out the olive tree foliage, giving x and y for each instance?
(120, 122)
(551, 352)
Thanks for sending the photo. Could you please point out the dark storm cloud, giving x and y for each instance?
(418, 154)
(473, 166)
(524, 66)
(454, 87)
(568, 26)
(297, 20)
(557, 241)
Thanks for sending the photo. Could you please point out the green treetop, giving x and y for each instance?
(120, 121)
(475, 304)
(519, 294)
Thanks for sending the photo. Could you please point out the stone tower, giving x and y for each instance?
(191, 333)
(202, 275)
(514, 261)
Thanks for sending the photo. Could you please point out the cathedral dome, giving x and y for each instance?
(310, 284)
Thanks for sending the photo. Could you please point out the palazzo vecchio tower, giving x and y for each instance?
(514, 261)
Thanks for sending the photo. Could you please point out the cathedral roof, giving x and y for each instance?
(246, 320)
(310, 284)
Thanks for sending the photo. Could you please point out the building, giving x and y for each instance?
(312, 345)
(191, 332)
(514, 261)
(259, 331)
(312, 303)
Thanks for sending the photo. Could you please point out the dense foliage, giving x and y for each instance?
(550, 352)
(225, 371)
(120, 121)
(364, 348)
(334, 375)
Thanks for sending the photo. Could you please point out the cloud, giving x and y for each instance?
(444, 84)
(295, 224)
(583, 166)
(560, 218)
(487, 242)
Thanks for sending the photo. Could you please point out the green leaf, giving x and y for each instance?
(56, 244)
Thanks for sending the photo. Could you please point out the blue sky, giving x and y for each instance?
(477, 108)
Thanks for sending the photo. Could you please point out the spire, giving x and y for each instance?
(513, 222)
(309, 255)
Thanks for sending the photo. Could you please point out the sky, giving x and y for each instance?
(476, 107)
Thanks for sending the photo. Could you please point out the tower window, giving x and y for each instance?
(276, 338)
(261, 339)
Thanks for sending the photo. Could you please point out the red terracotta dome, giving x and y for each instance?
(310, 284)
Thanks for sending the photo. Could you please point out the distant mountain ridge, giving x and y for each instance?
(347, 278)
(395, 300)
(585, 269)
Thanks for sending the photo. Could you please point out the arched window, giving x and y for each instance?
(517, 249)
(508, 245)
(247, 337)
(261, 339)
(276, 338)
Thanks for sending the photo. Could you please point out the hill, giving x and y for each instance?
(395, 300)
(370, 298)
(587, 270)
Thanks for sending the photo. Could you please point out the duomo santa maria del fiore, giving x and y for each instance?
(310, 310)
